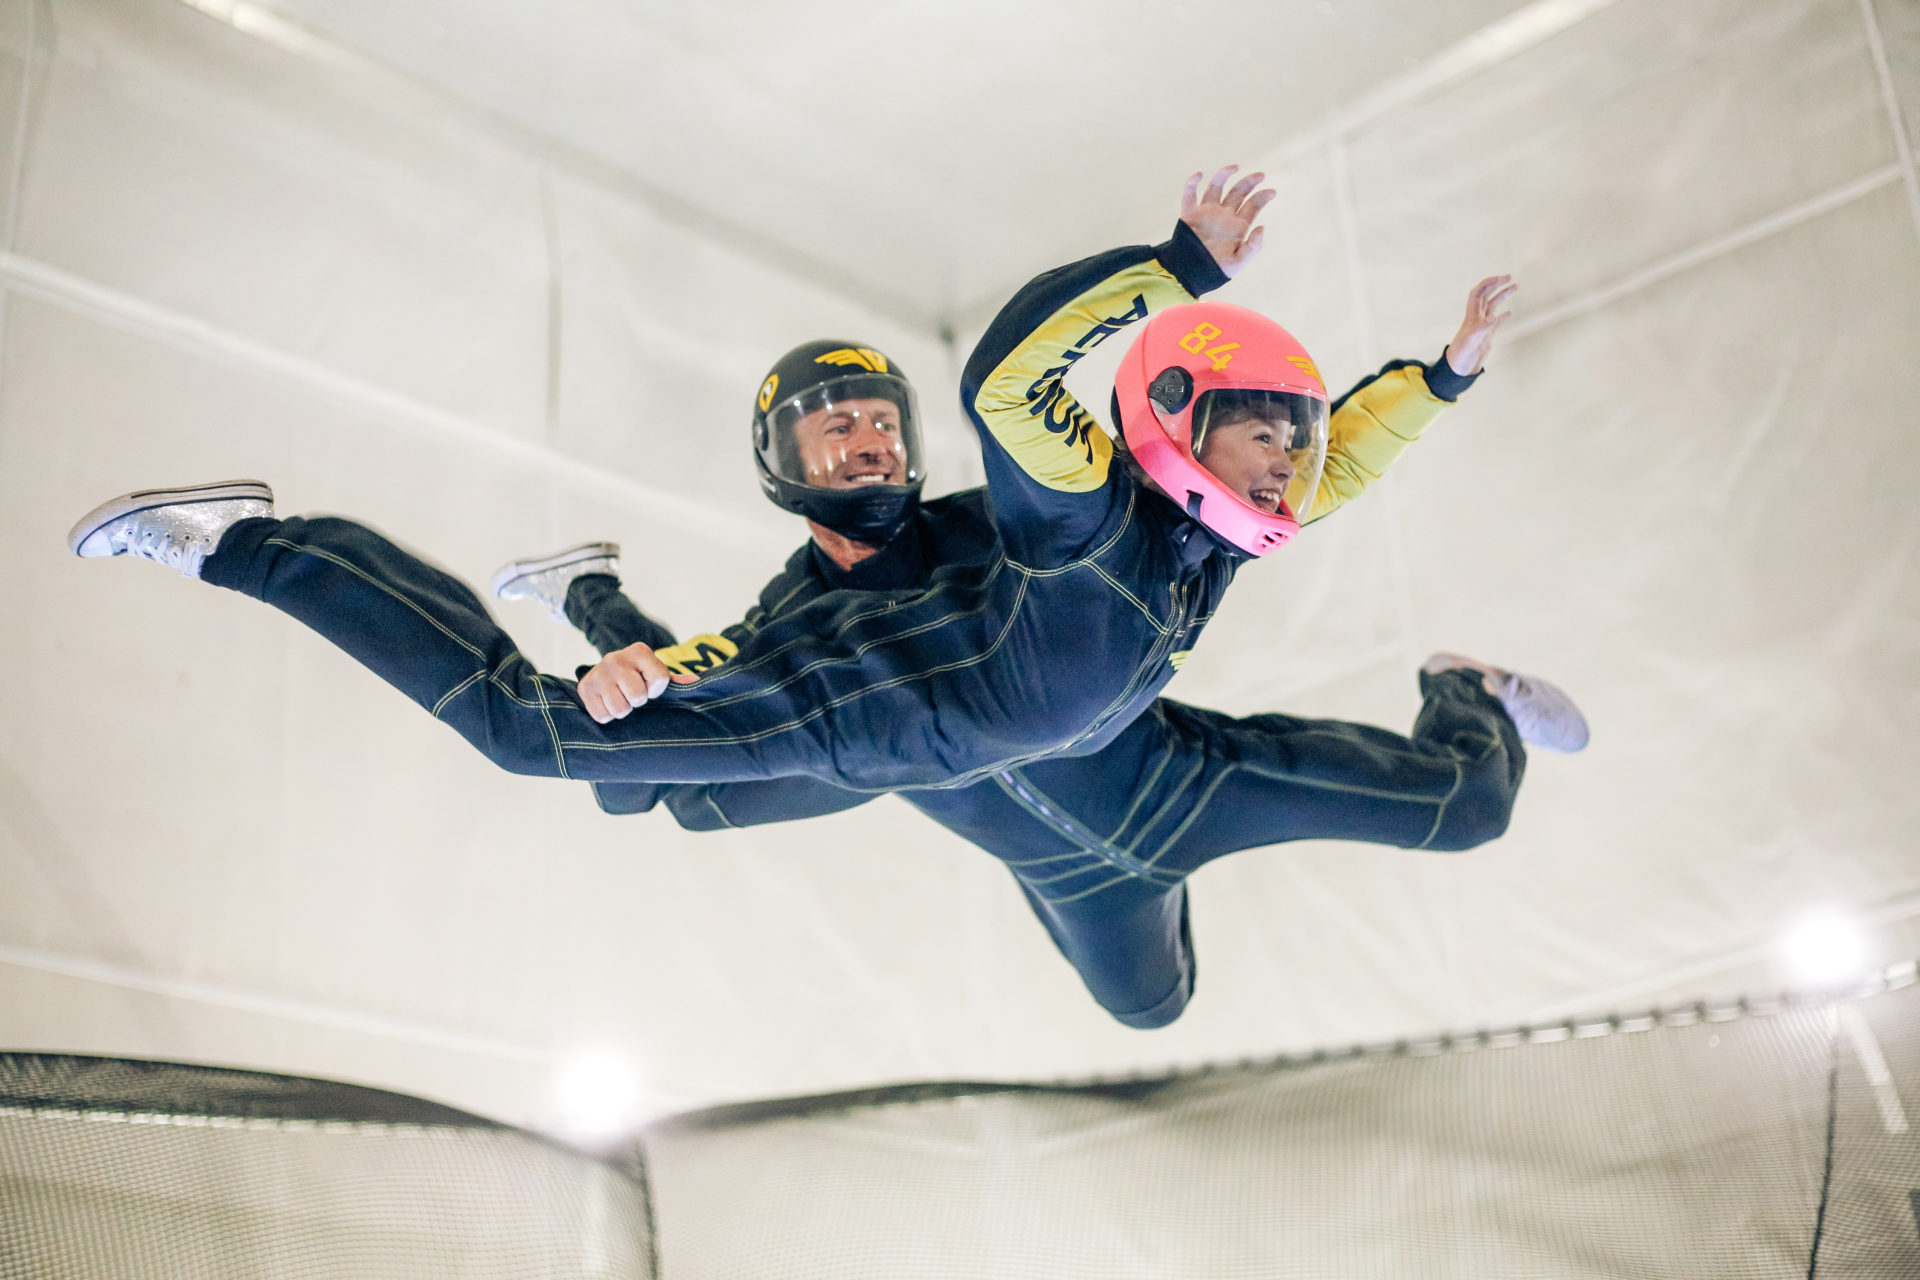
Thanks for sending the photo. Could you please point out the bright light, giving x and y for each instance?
(1826, 947)
(596, 1094)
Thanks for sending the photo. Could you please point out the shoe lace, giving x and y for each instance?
(181, 552)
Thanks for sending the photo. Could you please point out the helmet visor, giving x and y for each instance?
(1263, 443)
(845, 433)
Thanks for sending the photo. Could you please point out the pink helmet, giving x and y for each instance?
(1192, 364)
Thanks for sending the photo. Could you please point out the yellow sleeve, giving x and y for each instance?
(1022, 401)
(1377, 422)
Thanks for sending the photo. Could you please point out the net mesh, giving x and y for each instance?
(115, 1168)
(1745, 1140)
(1694, 1143)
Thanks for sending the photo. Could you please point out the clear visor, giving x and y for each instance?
(854, 431)
(1263, 444)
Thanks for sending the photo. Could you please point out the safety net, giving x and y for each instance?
(115, 1168)
(1751, 1139)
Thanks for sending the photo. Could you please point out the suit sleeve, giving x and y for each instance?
(718, 806)
(1374, 423)
(700, 655)
(1047, 459)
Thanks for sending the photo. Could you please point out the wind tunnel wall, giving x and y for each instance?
(1682, 490)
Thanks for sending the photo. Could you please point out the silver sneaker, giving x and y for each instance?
(547, 578)
(1541, 710)
(176, 527)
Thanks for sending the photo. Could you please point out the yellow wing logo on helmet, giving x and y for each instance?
(866, 357)
(1307, 367)
(767, 389)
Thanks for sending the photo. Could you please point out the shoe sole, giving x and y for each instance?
(147, 499)
(511, 573)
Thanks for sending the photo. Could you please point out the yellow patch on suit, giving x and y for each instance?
(697, 656)
(865, 357)
(1179, 658)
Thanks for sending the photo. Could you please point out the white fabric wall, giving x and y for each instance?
(1682, 490)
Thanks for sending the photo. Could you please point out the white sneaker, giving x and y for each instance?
(177, 527)
(1541, 710)
(547, 578)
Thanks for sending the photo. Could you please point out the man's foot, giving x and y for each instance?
(177, 527)
(547, 578)
(1542, 711)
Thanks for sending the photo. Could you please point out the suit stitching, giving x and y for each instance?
(1440, 814)
(1053, 814)
(707, 795)
(1119, 878)
(735, 667)
(546, 714)
(1320, 784)
(364, 576)
(1145, 789)
(1165, 807)
(1199, 807)
(456, 691)
(822, 709)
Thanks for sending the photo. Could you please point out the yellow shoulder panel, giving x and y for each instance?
(1024, 401)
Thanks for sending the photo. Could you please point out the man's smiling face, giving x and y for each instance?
(851, 443)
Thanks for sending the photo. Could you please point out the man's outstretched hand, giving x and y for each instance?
(1223, 218)
(625, 679)
(1467, 353)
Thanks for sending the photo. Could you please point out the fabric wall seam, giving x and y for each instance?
(103, 303)
(1346, 209)
(556, 300)
(1833, 1118)
(296, 38)
(309, 1012)
(1873, 1064)
(1399, 570)
(22, 125)
(1498, 42)
(1883, 71)
(39, 27)
(1760, 229)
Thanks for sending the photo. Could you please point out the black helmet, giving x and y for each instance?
(827, 451)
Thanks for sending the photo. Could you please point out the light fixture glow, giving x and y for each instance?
(1825, 947)
(596, 1094)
